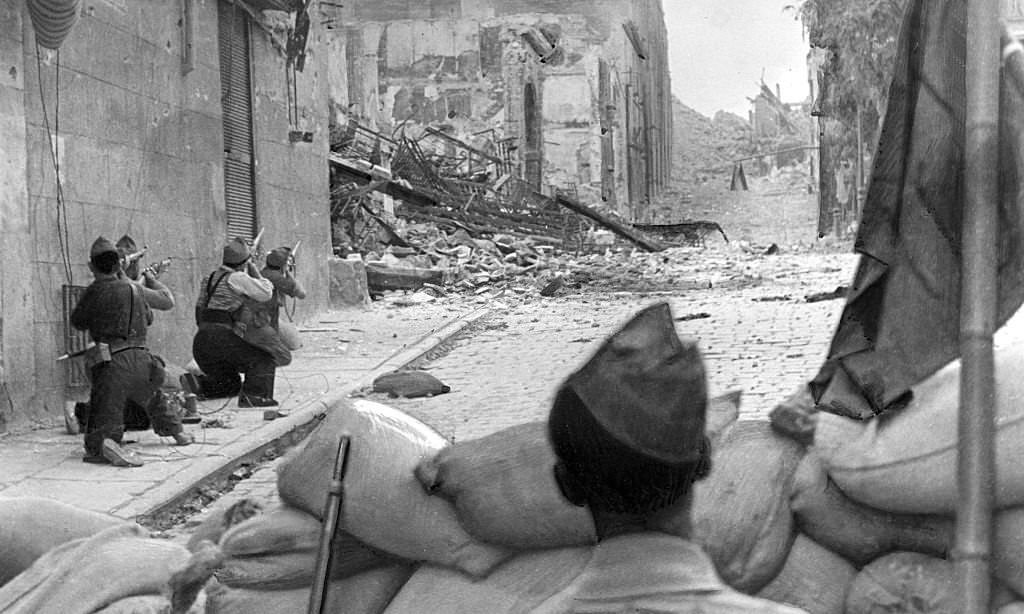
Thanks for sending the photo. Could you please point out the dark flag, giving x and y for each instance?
(902, 316)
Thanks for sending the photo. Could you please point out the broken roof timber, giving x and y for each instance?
(618, 228)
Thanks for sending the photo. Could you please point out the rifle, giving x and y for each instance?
(332, 507)
(255, 247)
(291, 254)
(129, 259)
(158, 268)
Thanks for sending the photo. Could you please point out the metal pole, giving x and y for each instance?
(976, 462)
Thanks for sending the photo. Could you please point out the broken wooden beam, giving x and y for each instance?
(618, 228)
(380, 277)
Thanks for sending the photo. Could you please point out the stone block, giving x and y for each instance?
(348, 285)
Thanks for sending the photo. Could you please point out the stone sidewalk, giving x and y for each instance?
(343, 352)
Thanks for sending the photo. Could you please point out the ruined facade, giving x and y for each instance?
(577, 89)
(174, 122)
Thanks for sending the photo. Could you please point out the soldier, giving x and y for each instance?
(628, 430)
(279, 270)
(122, 369)
(219, 347)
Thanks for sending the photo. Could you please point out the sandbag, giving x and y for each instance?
(813, 578)
(31, 526)
(906, 459)
(857, 532)
(1008, 548)
(88, 574)
(504, 489)
(503, 486)
(384, 505)
(894, 582)
(149, 604)
(519, 585)
(741, 514)
(222, 518)
(278, 550)
(296, 568)
(366, 593)
(281, 529)
(409, 384)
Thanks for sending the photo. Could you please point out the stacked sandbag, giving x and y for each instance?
(521, 584)
(88, 574)
(813, 578)
(741, 512)
(220, 519)
(368, 592)
(905, 460)
(32, 526)
(913, 582)
(504, 490)
(858, 532)
(277, 550)
(384, 506)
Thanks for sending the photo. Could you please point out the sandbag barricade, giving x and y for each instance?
(384, 505)
(277, 550)
(368, 592)
(222, 518)
(857, 532)
(905, 460)
(32, 526)
(813, 578)
(87, 574)
(519, 585)
(740, 513)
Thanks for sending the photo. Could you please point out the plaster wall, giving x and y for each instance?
(139, 150)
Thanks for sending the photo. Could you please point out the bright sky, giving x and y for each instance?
(719, 48)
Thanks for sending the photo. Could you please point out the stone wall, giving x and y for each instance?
(140, 151)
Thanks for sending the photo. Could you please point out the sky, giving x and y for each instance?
(718, 50)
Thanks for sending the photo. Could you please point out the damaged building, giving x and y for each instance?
(574, 93)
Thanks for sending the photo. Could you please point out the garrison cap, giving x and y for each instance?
(236, 252)
(101, 246)
(277, 258)
(628, 426)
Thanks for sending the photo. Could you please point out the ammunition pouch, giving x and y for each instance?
(96, 355)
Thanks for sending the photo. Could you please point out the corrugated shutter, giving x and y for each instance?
(236, 105)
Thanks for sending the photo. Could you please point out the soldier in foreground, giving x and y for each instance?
(628, 430)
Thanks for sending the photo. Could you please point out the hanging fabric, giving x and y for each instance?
(52, 20)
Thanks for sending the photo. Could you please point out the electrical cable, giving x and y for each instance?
(62, 229)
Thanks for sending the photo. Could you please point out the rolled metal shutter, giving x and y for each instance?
(236, 105)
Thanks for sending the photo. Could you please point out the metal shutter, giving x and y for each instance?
(236, 104)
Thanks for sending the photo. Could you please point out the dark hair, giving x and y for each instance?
(598, 470)
(107, 262)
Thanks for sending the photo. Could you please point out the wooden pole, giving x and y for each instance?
(976, 459)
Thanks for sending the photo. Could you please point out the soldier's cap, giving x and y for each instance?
(236, 252)
(101, 246)
(277, 258)
(126, 245)
(628, 426)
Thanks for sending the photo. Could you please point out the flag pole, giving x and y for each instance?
(976, 462)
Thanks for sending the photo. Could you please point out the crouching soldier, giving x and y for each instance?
(122, 369)
(628, 431)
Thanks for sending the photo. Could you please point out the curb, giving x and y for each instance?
(152, 508)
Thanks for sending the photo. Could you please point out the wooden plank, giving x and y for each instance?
(618, 228)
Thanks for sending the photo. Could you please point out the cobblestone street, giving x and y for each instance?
(764, 338)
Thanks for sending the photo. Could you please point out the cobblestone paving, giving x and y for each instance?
(762, 337)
